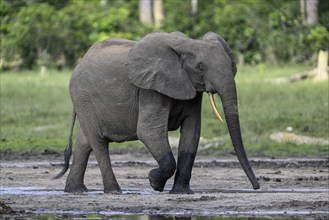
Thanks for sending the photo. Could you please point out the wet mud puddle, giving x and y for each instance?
(295, 190)
(45, 191)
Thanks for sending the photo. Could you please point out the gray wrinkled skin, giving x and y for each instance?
(125, 90)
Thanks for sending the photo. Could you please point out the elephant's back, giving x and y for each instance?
(109, 48)
(100, 85)
(103, 65)
(110, 42)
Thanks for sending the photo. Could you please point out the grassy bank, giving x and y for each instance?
(36, 112)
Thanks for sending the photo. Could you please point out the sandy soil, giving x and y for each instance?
(289, 188)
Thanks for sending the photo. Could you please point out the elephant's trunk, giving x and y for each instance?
(229, 100)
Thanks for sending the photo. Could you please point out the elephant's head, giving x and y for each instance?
(179, 67)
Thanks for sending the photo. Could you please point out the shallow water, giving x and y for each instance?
(269, 190)
(286, 162)
(45, 191)
(300, 194)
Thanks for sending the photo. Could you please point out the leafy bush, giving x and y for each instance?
(318, 38)
(41, 32)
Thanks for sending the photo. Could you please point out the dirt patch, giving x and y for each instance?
(8, 155)
(289, 187)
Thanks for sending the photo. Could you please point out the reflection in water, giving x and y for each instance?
(45, 191)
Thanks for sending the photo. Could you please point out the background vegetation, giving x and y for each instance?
(36, 113)
(47, 32)
(270, 37)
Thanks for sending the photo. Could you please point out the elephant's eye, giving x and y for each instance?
(200, 67)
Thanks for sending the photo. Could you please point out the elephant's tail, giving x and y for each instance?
(68, 150)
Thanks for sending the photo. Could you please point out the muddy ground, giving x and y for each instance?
(290, 188)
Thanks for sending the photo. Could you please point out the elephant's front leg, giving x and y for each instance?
(152, 130)
(188, 145)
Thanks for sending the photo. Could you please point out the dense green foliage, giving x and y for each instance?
(50, 33)
(36, 113)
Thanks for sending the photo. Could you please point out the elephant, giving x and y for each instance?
(125, 90)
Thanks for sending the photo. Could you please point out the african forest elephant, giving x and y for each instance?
(126, 90)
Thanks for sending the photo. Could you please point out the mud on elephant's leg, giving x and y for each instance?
(74, 181)
(160, 150)
(159, 176)
(183, 174)
(188, 145)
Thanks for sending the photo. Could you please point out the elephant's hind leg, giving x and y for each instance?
(74, 181)
(99, 146)
(101, 152)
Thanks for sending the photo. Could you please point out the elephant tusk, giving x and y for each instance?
(213, 105)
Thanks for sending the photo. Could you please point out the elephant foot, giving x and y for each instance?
(75, 188)
(181, 189)
(113, 189)
(156, 179)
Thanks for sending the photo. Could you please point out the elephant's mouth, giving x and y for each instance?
(213, 105)
(200, 87)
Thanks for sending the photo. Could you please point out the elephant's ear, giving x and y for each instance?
(211, 36)
(154, 64)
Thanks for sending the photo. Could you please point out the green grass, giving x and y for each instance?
(36, 112)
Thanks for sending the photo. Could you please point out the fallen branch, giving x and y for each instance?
(318, 74)
(284, 137)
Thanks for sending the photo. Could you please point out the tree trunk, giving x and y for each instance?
(240, 59)
(322, 70)
(302, 11)
(194, 4)
(311, 7)
(103, 3)
(158, 13)
(145, 12)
